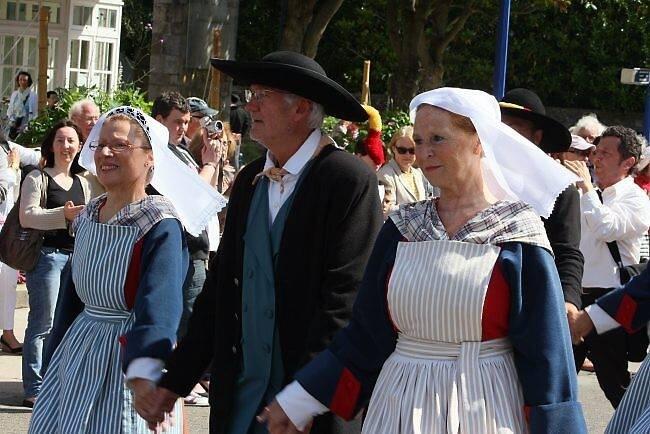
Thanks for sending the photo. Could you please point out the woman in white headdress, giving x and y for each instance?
(459, 325)
(125, 299)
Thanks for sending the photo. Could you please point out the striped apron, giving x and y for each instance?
(441, 378)
(83, 390)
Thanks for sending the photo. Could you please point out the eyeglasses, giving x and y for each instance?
(582, 153)
(259, 95)
(402, 151)
(115, 148)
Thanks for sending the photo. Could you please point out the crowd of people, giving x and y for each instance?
(457, 287)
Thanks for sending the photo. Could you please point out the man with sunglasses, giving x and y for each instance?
(301, 223)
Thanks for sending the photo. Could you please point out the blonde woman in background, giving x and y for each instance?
(406, 182)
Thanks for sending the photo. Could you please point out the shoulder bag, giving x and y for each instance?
(20, 248)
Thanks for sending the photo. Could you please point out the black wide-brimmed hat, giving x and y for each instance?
(297, 74)
(525, 104)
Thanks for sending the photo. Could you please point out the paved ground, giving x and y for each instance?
(15, 419)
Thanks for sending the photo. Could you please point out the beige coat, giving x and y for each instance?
(32, 215)
(394, 180)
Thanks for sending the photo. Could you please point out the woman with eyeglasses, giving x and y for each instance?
(122, 306)
(65, 193)
(407, 183)
(123, 301)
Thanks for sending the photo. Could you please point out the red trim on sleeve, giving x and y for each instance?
(133, 275)
(527, 413)
(122, 340)
(346, 395)
(625, 312)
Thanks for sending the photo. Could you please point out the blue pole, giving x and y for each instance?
(501, 56)
(646, 117)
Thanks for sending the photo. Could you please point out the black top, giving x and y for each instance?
(327, 238)
(57, 197)
(563, 231)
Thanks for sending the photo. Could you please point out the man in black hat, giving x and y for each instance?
(301, 224)
(522, 110)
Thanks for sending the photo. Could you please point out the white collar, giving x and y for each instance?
(619, 187)
(301, 157)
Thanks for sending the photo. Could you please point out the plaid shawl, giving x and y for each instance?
(502, 222)
(143, 214)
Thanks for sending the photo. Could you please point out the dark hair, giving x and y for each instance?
(47, 146)
(168, 101)
(629, 144)
(29, 78)
(51, 92)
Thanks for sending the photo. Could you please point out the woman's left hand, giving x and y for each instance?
(144, 398)
(277, 421)
(70, 211)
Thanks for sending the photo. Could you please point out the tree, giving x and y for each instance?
(305, 22)
(135, 40)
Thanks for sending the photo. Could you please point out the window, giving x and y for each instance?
(79, 62)
(27, 10)
(102, 65)
(108, 18)
(82, 16)
(21, 53)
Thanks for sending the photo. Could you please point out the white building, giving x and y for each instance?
(84, 42)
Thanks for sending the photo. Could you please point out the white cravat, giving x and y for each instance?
(281, 189)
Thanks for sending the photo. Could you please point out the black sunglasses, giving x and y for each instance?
(403, 151)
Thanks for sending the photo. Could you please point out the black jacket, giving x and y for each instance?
(563, 231)
(327, 239)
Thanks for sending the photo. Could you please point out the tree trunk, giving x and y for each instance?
(420, 53)
(305, 23)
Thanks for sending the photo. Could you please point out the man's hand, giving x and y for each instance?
(70, 211)
(580, 168)
(572, 314)
(583, 324)
(277, 421)
(145, 402)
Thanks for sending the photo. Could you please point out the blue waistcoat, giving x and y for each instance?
(262, 373)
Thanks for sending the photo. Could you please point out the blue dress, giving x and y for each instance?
(128, 274)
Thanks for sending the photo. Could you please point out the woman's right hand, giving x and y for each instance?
(70, 210)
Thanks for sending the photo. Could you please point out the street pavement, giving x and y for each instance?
(14, 419)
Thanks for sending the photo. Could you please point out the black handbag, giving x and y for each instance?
(20, 248)
(637, 342)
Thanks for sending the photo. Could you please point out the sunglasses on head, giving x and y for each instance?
(400, 150)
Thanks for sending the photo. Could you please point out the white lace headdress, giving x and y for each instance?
(513, 167)
(195, 201)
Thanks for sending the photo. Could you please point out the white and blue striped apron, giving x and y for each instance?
(441, 378)
(84, 390)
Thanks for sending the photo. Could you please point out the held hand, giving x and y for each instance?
(582, 171)
(572, 314)
(143, 397)
(583, 324)
(70, 211)
(277, 421)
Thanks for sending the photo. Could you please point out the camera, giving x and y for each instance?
(213, 126)
(638, 76)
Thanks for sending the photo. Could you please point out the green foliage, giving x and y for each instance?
(124, 95)
(391, 120)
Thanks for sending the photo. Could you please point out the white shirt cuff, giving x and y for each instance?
(145, 367)
(601, 319)
(299, 405)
